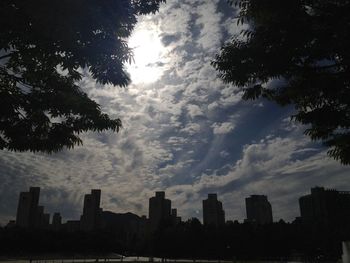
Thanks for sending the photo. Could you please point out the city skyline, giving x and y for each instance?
(324, 219)
(329, 204)
(80, 200)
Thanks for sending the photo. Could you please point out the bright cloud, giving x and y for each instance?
(184, 131)
(222, 128)
(149, 53)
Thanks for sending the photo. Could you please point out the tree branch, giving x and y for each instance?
(6, 56)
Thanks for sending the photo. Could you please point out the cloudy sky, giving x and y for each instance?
(185, 132)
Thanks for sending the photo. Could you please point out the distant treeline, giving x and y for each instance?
(188, 239)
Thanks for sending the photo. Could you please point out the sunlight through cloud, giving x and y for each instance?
(148, 65)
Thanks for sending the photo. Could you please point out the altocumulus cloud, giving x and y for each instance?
(184, 132)
(222, 128)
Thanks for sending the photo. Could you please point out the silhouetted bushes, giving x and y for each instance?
(188, 239)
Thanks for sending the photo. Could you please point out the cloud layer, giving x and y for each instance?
(184, 132)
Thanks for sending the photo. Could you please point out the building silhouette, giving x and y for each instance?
(326, 206)
(90, 219)
(213, 213)
(174, 218)
(72, 225)
(56, 221)
(29, 213)
(258, 209)
(42, 220)
(159, 210)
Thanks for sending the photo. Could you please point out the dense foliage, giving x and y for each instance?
(44, 48)
(296, 52)
(241, 241)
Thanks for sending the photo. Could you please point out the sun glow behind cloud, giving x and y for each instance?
(149, 54)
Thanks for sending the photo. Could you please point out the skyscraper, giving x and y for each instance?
(41, 219)
(258, 209)
(174, 218)
(327, 206)
(27, 210)
(159, 210)
(56, 221)
(213, 213)
(91, 216)
(24, 209)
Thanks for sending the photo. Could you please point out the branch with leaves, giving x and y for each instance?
(306, 46)
(44, 45)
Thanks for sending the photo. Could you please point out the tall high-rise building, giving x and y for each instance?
(159, 210)
(91, 216)
(213, 213)
(28, 210)
(174, 218)
(327, 206)
(45, 221)
(258, 209)
(35, 192)
(42, 219)
(24, 209)
(56, 221)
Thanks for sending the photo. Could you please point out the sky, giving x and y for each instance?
(184, 132)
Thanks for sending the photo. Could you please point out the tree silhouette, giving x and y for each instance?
(44, 48)
(296, 52)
